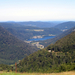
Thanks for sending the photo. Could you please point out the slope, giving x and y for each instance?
(11, 48)
(53, 40)
(38, 24)
(24, 32)
(66, 25)
(54, 58)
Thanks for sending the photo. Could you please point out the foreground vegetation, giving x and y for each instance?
(57, 57)
(62, 73)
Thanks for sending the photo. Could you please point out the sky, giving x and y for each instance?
(37, 10)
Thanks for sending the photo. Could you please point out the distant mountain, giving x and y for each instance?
(57, 22)
(31, 23)
(10, 21)
(9, 24)
(26, 32)
(12, 49)
(56, 57)
(66, 25)
(53, 40)
(38, 24)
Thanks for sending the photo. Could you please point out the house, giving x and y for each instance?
(49, 50)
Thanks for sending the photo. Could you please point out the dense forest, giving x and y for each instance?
(13, 49)
(54, 58)
(53, 40)
(38, 24)
(4, 67)
(65, 25)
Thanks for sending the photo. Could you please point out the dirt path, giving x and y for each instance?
(1, 71)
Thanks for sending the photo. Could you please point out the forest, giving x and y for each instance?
(58, 56)
(61, 57)
(12, 49)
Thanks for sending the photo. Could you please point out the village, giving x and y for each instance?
(35, 44)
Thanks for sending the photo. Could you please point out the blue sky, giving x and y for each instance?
(37, 10)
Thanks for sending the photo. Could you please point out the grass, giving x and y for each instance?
(62, 73)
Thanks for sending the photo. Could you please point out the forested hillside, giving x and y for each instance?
(53, 40)
(54, 58)
(25, 32)
(66, 25)
(12, 49)
(39, 24)
(66, 44)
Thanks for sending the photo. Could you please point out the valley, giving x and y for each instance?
(37, 37)
(35, 49)
(34, 43)
(12, 49)
(35, 40)
(56, 57)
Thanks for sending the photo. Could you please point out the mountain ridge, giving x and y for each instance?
(11, 48)
(65, 25)
(53, 40)
(54, 58)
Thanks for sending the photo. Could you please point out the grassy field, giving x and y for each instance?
(62, 73)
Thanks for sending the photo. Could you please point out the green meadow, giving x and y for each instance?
(62, 73)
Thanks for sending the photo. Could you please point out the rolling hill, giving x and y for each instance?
(38, 24)
(66, 25)
(53, 40)
(12, 49)
(54, 58)
(24, 32)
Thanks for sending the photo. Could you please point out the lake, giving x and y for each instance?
(40, 39)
